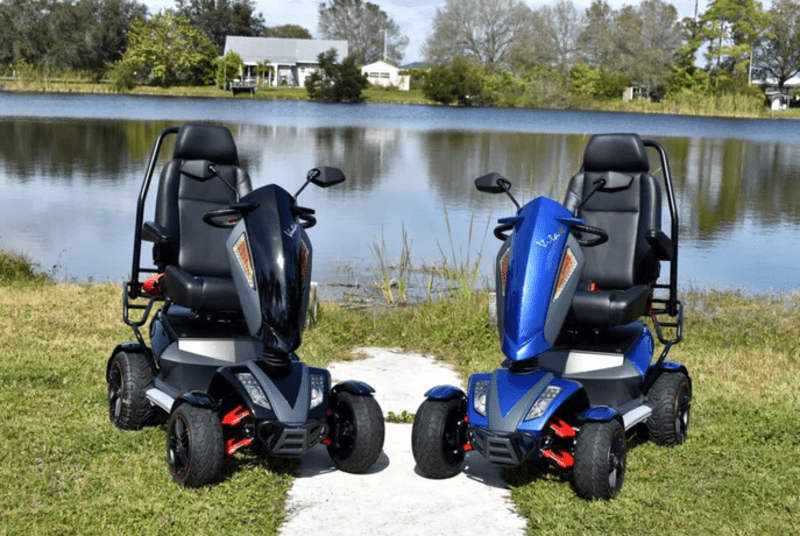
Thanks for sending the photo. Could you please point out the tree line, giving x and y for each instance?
(500, 52)
(504, 52)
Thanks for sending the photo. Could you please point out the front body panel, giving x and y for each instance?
(542, 271)
(274, 297)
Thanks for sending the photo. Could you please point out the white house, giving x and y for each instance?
(384, 74)
(292, 60)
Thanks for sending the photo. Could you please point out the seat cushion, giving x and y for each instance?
(610, 307)
(200, 293)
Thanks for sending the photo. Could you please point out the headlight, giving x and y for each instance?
(317, 390)
(479, 394)
(543, 402)
(253, 389)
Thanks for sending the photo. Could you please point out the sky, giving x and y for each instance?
(414, 17)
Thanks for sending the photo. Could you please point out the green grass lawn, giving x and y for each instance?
(66, 470)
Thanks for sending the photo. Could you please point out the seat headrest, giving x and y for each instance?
(206, 142)
(616, 152)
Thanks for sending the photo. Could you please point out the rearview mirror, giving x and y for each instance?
(492, 183)
(325, 176)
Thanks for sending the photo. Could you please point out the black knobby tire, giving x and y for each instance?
(194, 445)
(438, 437)
(356, 432)
(671, 399)
(600, 459)
(128, 375)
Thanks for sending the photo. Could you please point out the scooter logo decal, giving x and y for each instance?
(550, 239)
(291, 230)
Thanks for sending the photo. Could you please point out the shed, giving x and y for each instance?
(385, 74)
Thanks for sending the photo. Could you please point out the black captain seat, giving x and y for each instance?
(615, 192)
(189, 252)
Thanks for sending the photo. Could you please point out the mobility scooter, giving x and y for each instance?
(231, 273)
(573, 282)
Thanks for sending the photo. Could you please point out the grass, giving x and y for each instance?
(42, 84)
(725, 106)
(66, 470)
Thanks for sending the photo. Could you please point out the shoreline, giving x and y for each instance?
(372, 96)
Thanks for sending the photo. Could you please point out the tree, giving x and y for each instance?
(220, 18)
(686, 75)
(333, 82)
(598, 40)
(661, 39)
(228, 68)
(777, 57)
(369, 32)
(638, 42)
(729, 29)
(85, 35)
(481, 29)
(287, 31)
(563, 23)
(167, 50)
(108, 37)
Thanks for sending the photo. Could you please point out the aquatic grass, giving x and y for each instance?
(386, 281)
(459, 272)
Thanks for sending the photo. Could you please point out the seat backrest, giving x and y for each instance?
(182, 200)
(626, 206)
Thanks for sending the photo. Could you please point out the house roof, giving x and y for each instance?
(254, 50)
(379, 66)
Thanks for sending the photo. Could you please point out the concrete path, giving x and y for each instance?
(393, 498)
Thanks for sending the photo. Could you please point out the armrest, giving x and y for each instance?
(153, 232)
(661, 244)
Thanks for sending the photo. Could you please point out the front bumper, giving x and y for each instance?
(290, 441)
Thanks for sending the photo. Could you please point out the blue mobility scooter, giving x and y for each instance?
(232, 276)
(572, 282)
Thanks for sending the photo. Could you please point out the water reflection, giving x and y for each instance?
(70, 188)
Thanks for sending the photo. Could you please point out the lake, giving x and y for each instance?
(71, 167)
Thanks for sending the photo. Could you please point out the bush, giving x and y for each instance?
(15, 268)
(461, 81)
(333, 82)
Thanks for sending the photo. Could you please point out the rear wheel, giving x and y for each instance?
(128, 375)
(356, 432)
(194, 445)
(438, 437)
(600, 459)
(671, 400)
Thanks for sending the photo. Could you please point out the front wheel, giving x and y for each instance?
(438, 437)
(356, 432)
(129, 373)
(671, 399)
(194, 445)
(600, 459)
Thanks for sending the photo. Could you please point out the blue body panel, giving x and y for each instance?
(540, 235)
(642, 352)
(444, 392)
(600, 414)
(510, 397)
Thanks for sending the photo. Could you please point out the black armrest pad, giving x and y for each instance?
(153, 232)
(661, 244)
